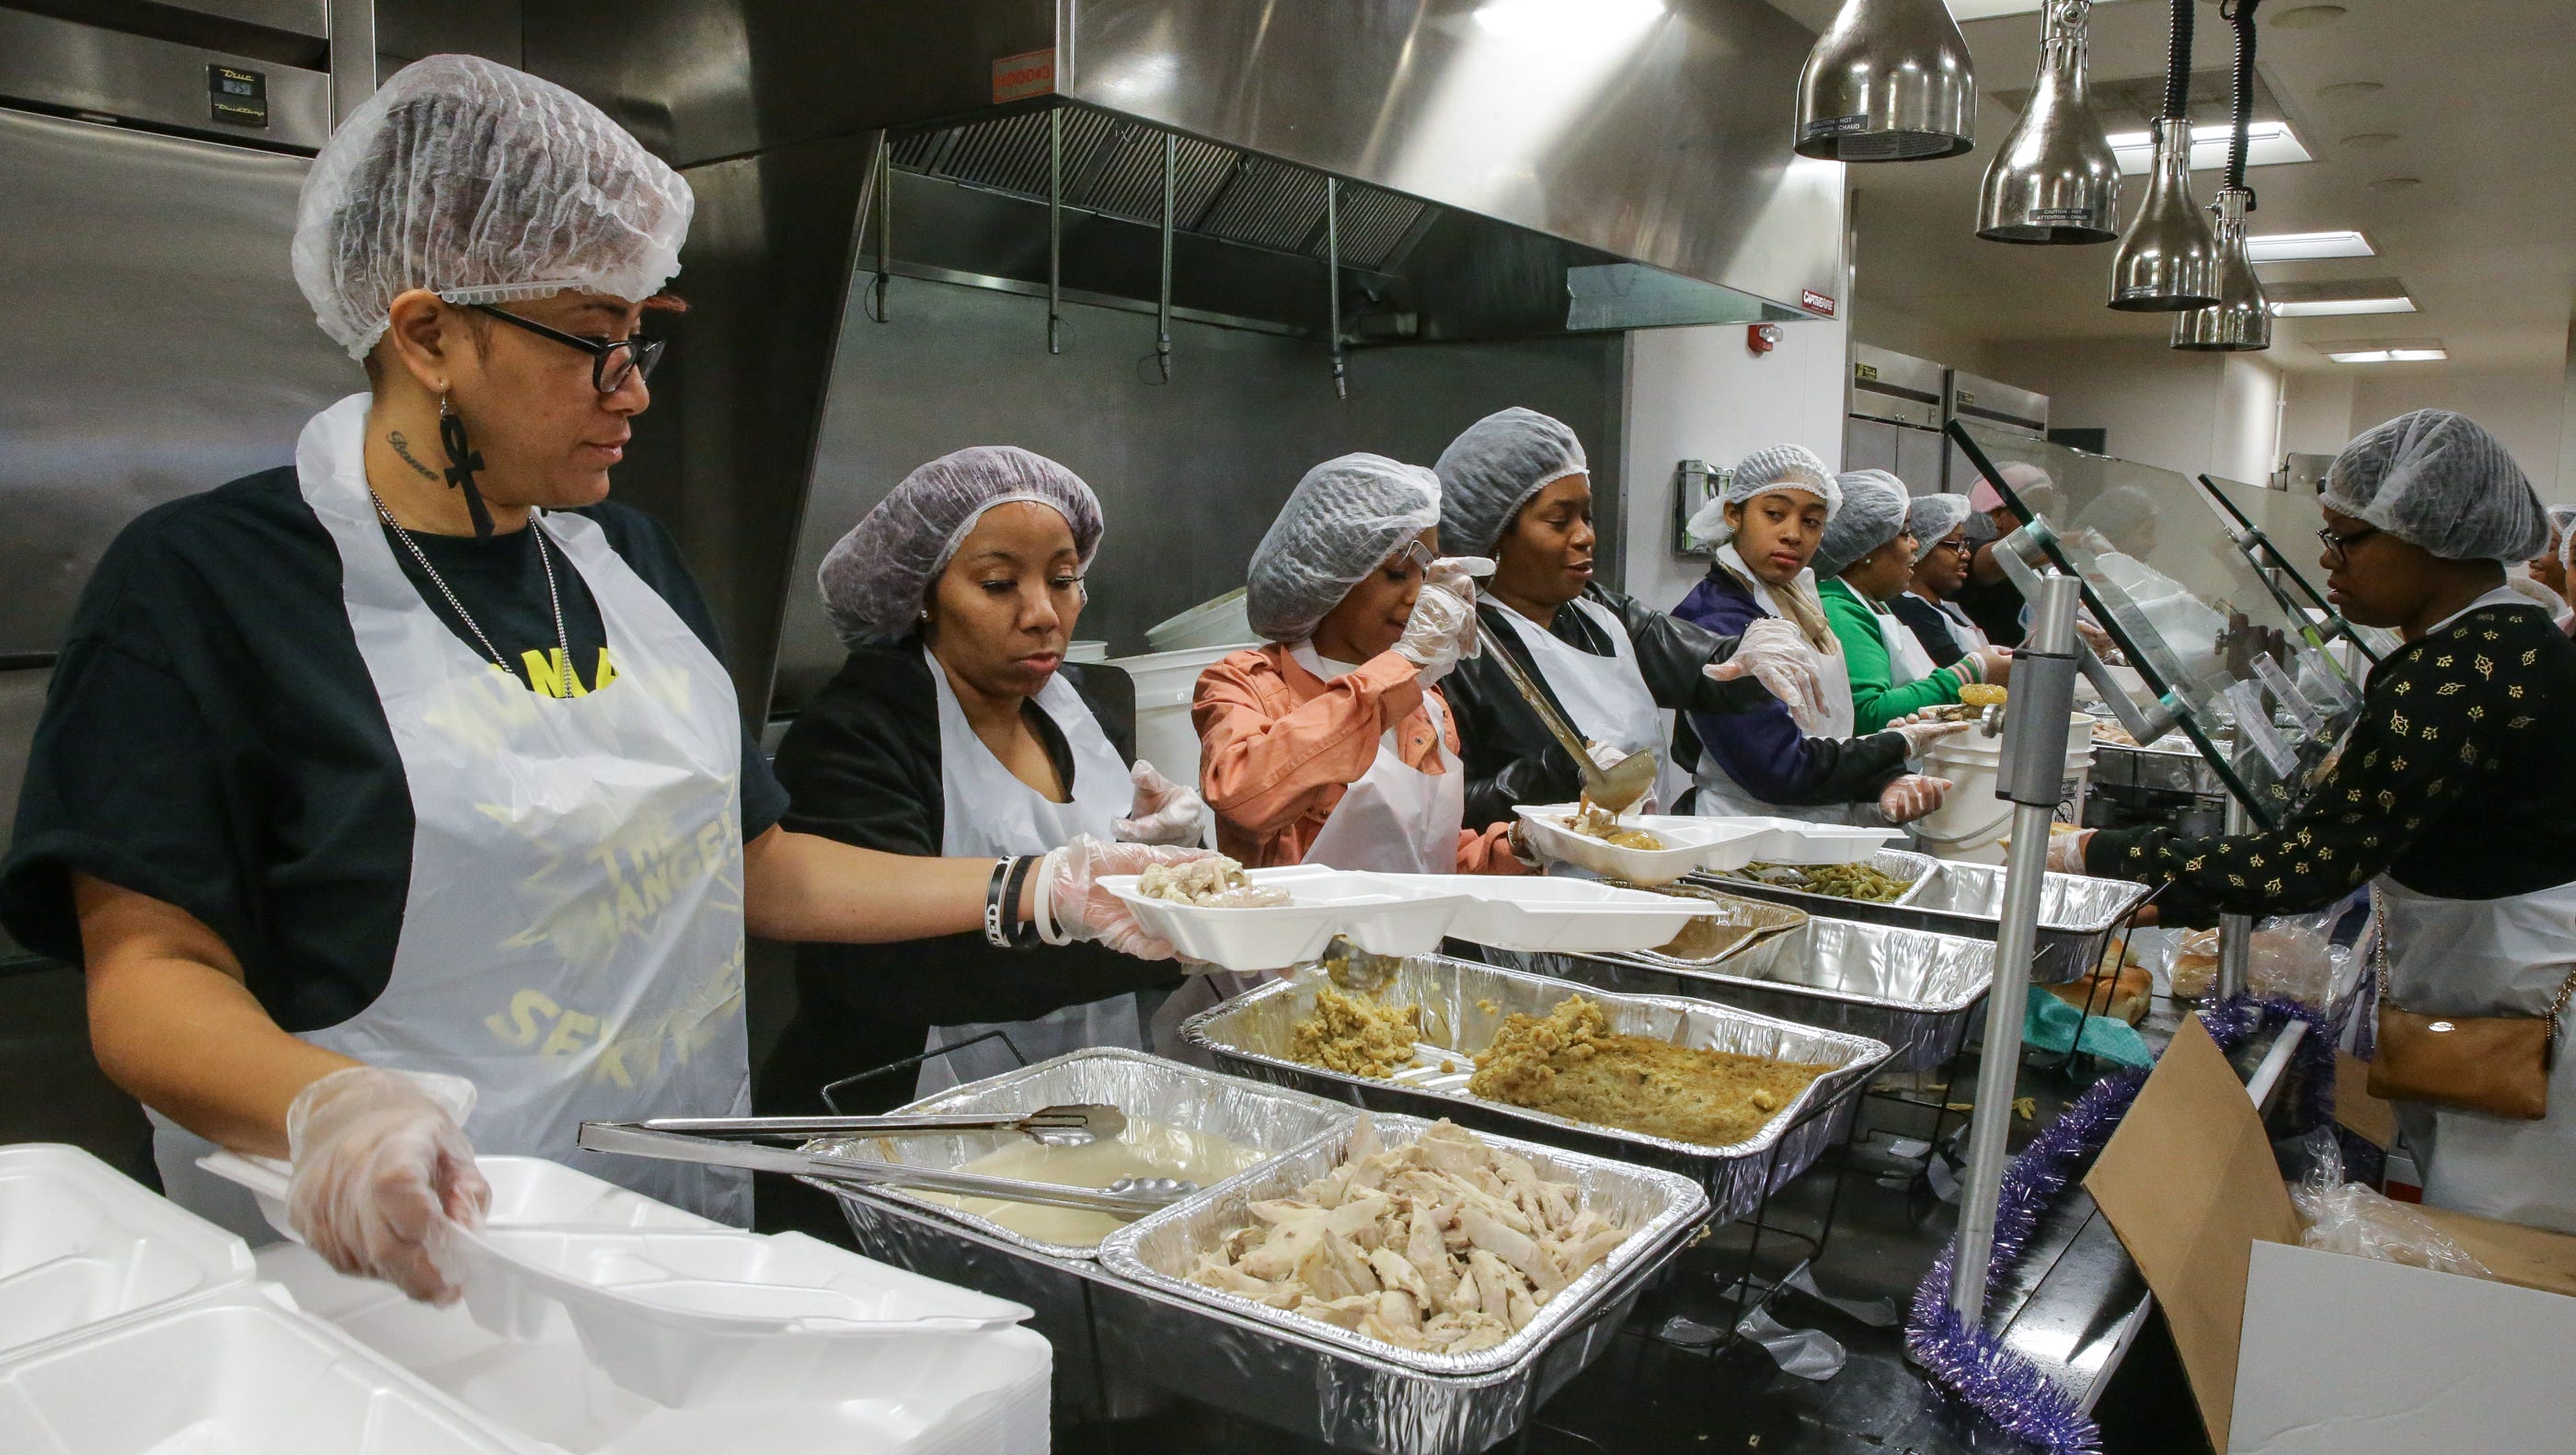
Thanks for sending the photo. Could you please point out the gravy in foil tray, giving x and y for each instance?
(1145, 1149)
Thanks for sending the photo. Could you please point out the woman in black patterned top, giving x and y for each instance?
(2450, 796)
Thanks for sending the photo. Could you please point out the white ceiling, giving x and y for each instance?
(2480, 96)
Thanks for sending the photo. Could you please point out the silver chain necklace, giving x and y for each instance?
(544, 559)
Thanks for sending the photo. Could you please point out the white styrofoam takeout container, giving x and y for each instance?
(1567, 915)
(81, 1244)
(1691, 844)
(1796, 841)
(1384, 914)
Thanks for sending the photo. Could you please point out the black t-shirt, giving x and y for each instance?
(212, 738)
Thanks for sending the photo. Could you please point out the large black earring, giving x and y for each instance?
(462, 462)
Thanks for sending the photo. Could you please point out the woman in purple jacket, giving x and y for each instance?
(1760, 761)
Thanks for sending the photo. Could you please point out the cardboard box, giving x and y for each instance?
(2294, 1351)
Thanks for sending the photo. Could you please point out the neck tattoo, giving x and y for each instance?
(402, 447)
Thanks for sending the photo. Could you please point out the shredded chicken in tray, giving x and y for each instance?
(1447, 1245)
(1215, 882)
(1572, 1064)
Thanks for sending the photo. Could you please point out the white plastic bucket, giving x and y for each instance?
(1165, 682)
(1223, 621)
(1972, 822)
(1084, 650)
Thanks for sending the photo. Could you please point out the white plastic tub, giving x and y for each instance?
(992, 1397)
(1691, 844)
(81, 1244)
(1220, 621)
(1384, 914)
(1972, 822)
(1574, 916)
(1796, 841)
(233, 1375)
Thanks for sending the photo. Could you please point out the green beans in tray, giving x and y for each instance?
(1842, 881)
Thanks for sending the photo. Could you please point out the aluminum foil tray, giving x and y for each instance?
(1249, 1114)
(1915, 990)
(1921, 871)
(1464, 1004)
(2076, 914)
(1741, 926)
(1354, 1392)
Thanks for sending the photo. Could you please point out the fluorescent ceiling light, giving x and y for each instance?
(2388, 356)
(2267, 143)
(2327, 307)
(2294, 247)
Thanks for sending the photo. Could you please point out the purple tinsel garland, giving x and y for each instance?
(1972, 1364)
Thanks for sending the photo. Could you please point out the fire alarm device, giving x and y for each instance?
(1762, 338)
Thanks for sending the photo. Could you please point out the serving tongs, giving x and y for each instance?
(1615, 789)
(719, 1146)
(1058, 1126)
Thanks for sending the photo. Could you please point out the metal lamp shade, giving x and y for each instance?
(1889, 81)
(2168, 263)
(2241, 320)
(2055, 180)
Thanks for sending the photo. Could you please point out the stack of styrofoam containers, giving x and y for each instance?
(597, 1321)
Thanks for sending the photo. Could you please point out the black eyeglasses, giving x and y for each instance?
(612, 361)
(2337, 544)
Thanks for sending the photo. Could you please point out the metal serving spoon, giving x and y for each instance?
(1130, 1197)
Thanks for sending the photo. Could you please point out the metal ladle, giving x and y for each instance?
(1615, 789)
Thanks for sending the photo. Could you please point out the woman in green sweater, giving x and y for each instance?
(1867, 557)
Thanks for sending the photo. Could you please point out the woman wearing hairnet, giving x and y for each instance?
(955, 727)
(1939, 525)
(1331, 745)
(2549, 568)
(396, 803)
(1766, 526)
(2449, 796)
(1515, 489)
(1865, 560)
(1989, 598)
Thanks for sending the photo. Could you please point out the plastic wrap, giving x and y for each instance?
(2349, 1217)
(1911, 989)
(1464, 1004)
(2290, 956)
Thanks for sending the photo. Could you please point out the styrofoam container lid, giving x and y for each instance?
(232, 1375)
(82, 1244)
(1572, 916)
(525, 1190)
(1690, 844)
(1382, 914)
(1796, 841)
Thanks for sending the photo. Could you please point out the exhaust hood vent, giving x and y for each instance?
(1114, 166)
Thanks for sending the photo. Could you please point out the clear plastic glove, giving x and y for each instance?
(1441, 630)
(1458, 576)
(1921, 735)
(2066, 851)
(1079, 906)
(1773, 653)
(1910, 797)
(1164, 811)
(380, 1171)
(1994, 664)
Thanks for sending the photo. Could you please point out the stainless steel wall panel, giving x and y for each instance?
(158, 346)
(60, 64)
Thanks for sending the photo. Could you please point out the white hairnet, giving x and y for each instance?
(1872, 514)
(1781, 467)
(1932, 518)
(2560, 537)
(2438, 480)
(1492, 469)
(1342, 521)
(481, 183)
(2535, 593)
(876, 579)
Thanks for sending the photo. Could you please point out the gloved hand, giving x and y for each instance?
(1164, 811)
(1070, 896)
(1910, 797)
(1921, 735)
(1775, 655)
(1994, 664)
(2066, 851)
(1439, 632)
(380, 1170)
(2096, 638)
(1458, 575)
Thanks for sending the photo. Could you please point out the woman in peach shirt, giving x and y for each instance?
(1330, 745)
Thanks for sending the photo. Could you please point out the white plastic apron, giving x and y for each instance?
(988, 814)
(1970, 635)
(1606, 698)
(2489, 957)
(1395, 819)
(1907, 662)
(1721, 796)
(572, 936)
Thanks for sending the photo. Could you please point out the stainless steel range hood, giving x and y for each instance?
(1481, 169)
